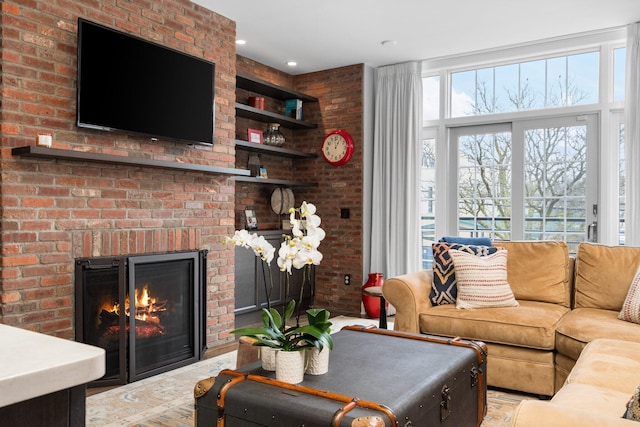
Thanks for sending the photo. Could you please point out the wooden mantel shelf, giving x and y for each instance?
(83, 156)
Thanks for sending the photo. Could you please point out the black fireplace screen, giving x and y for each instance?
(145, 311)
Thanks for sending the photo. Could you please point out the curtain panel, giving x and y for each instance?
(395, 217)
(632, 138)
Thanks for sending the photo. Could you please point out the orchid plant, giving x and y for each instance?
(297, 251)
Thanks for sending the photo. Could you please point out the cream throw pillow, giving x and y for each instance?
(482, 281)
(631, 307)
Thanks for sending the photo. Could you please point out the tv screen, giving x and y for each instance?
(131, 85)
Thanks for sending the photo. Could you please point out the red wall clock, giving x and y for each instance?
(337, 147)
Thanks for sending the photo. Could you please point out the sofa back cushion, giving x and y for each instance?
(538, 271)
(603, 275)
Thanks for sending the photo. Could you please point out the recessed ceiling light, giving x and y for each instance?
(389, 43)
(239, 41)
(292, 63)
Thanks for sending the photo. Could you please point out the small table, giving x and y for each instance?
(376, 291)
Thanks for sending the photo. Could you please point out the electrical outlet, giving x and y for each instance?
(347, 279)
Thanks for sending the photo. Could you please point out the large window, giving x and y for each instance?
(516, 143)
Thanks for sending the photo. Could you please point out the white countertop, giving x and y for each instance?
(34, 364)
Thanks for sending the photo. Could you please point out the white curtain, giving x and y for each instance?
(395, 217)
(632, 137)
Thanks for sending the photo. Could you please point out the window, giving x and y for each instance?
(553, 82)
(427, 199)
(519, 142)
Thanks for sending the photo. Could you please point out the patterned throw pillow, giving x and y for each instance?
(633, 407)
(443, 287)
(482, 281)
(631, 307)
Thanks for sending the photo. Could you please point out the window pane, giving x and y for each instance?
(484, 186)
(556, 82)
(555, 184)
(583, 77)
(463, 93)
(532, 85)
(431, 98)
(507, 88)
(619, 57)
(427, 200)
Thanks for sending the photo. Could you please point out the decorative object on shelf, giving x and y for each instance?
(44, 140)
(257, 102)
(254, 135)
(253, 165)
(337, 147)
(282, 200)
(263, 173)
(371, 303)
(299, 252)
(252, 221)
(273, 135)
(293, 108)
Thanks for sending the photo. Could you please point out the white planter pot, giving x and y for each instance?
(290, 366)
(268, 357)
(317, 361)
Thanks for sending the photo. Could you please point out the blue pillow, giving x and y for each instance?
(475, 241)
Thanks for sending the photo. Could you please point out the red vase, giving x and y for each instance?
(372, 304)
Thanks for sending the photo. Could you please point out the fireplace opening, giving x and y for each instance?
(146, 311)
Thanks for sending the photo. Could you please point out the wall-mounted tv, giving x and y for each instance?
(134, 86)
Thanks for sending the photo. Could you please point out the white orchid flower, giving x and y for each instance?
(307, 209)
(307, 257)
(286, 255)
(262, 248)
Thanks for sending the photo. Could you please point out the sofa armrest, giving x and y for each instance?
(535, 413)
(409, 294)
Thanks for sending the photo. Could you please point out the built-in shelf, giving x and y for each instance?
(262, 87)
(277, 151)
(83, 156)
(275, 182)
(248, 112)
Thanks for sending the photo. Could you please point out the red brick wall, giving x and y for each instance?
(340, 106)
(54, 211)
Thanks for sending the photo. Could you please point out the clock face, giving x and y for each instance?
(337, 147)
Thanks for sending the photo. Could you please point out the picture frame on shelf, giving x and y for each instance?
(255, 136)
(263, 173)
(252, 221)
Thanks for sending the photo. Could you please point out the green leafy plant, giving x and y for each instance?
(275, 333)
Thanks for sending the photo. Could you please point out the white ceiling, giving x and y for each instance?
(324, 34)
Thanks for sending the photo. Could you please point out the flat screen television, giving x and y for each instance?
(137, 87)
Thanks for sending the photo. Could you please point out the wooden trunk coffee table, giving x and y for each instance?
(380, 377)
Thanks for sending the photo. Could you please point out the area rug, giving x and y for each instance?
(167, 399)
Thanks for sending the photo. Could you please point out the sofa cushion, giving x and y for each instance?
(538, 270)
(608, 363)
(583, 325)
(603, 275)
(444, 289)
(482, 281)
(590, 399)
(630, 311)
(532, 324)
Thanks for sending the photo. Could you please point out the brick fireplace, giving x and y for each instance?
(55, 211)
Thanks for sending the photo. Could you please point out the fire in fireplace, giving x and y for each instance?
(145, 311)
